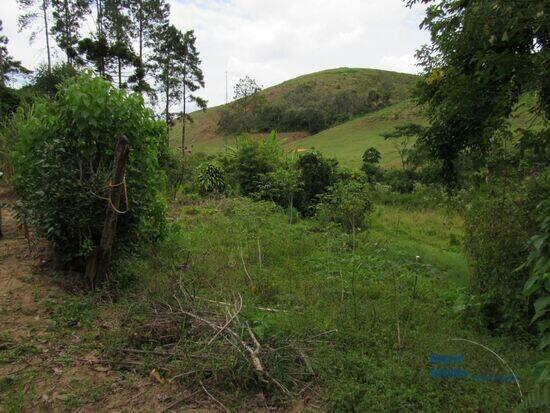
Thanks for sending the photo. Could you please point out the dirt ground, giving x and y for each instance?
(45, 368)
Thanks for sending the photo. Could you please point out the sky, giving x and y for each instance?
(274, 40)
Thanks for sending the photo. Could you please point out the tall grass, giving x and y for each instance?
(367, 318)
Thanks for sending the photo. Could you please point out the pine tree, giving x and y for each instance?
(67, 16)
(117, 31)
(34, 10)
(166, 64)
(192, 79)
(8, 65)
(95, 48)
(149, 19)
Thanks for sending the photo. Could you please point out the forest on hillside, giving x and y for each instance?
(135, 275)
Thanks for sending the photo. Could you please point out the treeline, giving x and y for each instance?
(132, 44)
(306, 107)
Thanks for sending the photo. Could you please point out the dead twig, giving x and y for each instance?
(231, 318)
(157, 353)
(171, 406)
(213, 398)
(245, 270)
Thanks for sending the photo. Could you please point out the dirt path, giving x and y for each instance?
(48, 366)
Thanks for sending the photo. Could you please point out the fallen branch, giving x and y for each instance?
(171, 406)
(245, 270)
(231, 318)
(213, 398)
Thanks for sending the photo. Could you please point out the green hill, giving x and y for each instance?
(203, 135)
(348, 140)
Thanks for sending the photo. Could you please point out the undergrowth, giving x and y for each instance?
(347, 325)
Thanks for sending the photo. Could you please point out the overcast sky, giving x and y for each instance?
(275, 40)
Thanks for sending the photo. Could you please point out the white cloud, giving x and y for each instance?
(274, 40)
(405, 63)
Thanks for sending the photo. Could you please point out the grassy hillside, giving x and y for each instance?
(203, 134)
(348, 141)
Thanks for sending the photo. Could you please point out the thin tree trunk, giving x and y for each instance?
(119, 73)
(167, 108)
(141, 32)
(183, 120)
(67, 32)
(46, 28)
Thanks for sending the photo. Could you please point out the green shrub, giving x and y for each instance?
(496, 234)
(400, 180)
(252, 159)
(281, 186)
(538, 287)
(211, 178)
(371, 156)
(373, 172)
(63, 162)
(318, 174)
(347, 204)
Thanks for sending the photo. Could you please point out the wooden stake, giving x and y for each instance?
(99, 261)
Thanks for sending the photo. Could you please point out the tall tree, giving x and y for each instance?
(483, 55)
(8, 65)
(95, 48)
(166, 59)
(35, 10)
(192, 79)
(117, 25)
(67, 17)
(148, 17)
(109, 47)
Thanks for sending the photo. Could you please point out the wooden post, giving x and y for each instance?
(99, 261)
(1, 234)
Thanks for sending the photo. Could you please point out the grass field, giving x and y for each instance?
(348, 141)
(377, 307)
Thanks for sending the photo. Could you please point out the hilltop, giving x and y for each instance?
(349, 84)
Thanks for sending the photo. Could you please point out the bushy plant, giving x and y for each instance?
(318, 174)
(211, 178)
(371, 159)
(281, 186)
(63, 162)
(400, 180)
(251, 159)
(496, 234)
(371, 155)
(538, 287)
(347, 203)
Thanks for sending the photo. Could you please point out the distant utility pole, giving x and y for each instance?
(226, 87)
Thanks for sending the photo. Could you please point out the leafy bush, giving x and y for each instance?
(347, 204)
(496, 234)
(63, 162)
(371, 155)
(371, 159)
(211, 178)
(318, 174)
(400, 180)
(538, 287)
(281, 186)
(251, 159)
